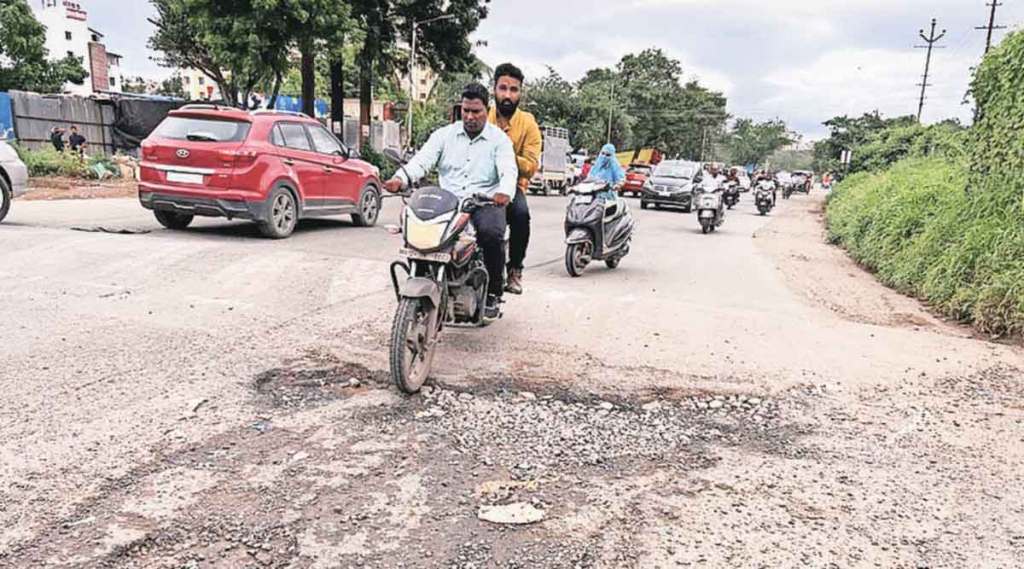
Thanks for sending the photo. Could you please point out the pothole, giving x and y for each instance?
(296, 387)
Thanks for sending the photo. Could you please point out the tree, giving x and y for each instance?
(443, 45)
(749, 143)
(847, 133)
(23, 55)
(241, 44)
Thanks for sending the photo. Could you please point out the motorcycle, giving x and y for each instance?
(596, 228)
(710, 211)
(764, 196)
(731, 194)
(445, 281)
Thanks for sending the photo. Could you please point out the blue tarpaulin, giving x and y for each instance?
(294, 104)
(6, 118)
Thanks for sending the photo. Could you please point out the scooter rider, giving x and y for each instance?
(607, 169)
(472, 157)
(765, 175)
(522, 129)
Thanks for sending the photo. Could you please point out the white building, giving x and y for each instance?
(68, 33)
(199, 87)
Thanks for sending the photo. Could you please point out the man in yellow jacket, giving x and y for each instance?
(522, 129)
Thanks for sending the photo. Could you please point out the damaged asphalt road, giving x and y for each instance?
(208, 399)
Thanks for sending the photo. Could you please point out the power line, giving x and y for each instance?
(991, 24)
(931, 40)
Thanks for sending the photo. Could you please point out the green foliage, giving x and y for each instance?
(851, 133)
(750, 142)
(997, 139)
(386, 167)
(644, 97)
(245, 43)
(48, 162)
(961, 252)
(23, 56)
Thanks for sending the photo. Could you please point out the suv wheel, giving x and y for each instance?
(282, 215)
(5, 198)
(173, 220)
(369, 208)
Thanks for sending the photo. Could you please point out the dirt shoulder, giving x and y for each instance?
(59, 188)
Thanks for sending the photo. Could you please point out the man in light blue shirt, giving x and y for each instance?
(472, 157)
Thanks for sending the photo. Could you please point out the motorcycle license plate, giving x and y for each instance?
(435, 257)
(707, 214)
(584, 199)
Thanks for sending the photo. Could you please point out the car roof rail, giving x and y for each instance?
(279, 112)
(204, 106)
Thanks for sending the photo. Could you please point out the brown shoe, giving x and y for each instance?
(514, 283)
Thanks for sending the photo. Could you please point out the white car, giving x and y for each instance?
(13, 177)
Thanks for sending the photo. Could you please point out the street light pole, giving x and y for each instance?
(611, 109)
(412, 68)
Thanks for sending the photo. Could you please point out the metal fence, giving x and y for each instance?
(35, 116)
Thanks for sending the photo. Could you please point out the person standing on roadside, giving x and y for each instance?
(522, 129)
(57, 138)
(76, 141)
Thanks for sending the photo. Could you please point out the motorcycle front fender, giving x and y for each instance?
(418, 287)
(578, 235)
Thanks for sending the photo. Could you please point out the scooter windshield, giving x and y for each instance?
(432, 202)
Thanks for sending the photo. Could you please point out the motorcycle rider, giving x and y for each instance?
(472, 157)
(522, 129)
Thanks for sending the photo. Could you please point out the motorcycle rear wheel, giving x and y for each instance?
(412, 349)
(613, 262)
(576, 259)
(705, 225)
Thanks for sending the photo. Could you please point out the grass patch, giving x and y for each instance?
(923, 234)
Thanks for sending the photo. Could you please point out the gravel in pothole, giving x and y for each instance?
(530, 435)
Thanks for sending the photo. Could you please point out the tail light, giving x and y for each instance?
(149, 151)
(238, 158)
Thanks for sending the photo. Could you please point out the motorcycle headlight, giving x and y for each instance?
(426, 235)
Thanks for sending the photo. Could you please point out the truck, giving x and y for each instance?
(556, 170)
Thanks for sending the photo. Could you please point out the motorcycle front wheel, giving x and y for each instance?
(412, 344)
(705, 225)
(576, 258)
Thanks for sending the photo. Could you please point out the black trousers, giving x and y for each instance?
(490, 224)
(518, 215)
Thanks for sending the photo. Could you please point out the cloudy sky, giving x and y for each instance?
(800, 60)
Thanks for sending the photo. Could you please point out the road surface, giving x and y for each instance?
(209, 398)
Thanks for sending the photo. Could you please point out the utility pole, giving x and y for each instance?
(991, 24)
(931, 40)
(611, 110)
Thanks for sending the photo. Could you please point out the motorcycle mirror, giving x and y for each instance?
(394, 155)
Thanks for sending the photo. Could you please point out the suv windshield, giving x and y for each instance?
(202, 130)
(682, 171)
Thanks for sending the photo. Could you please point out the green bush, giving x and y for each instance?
(386, 167)
(48, 162)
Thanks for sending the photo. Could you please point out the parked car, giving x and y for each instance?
(13, 178)
(636, 177)
(272, 167)
(671, 185)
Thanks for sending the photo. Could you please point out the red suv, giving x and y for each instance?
(268, 166)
